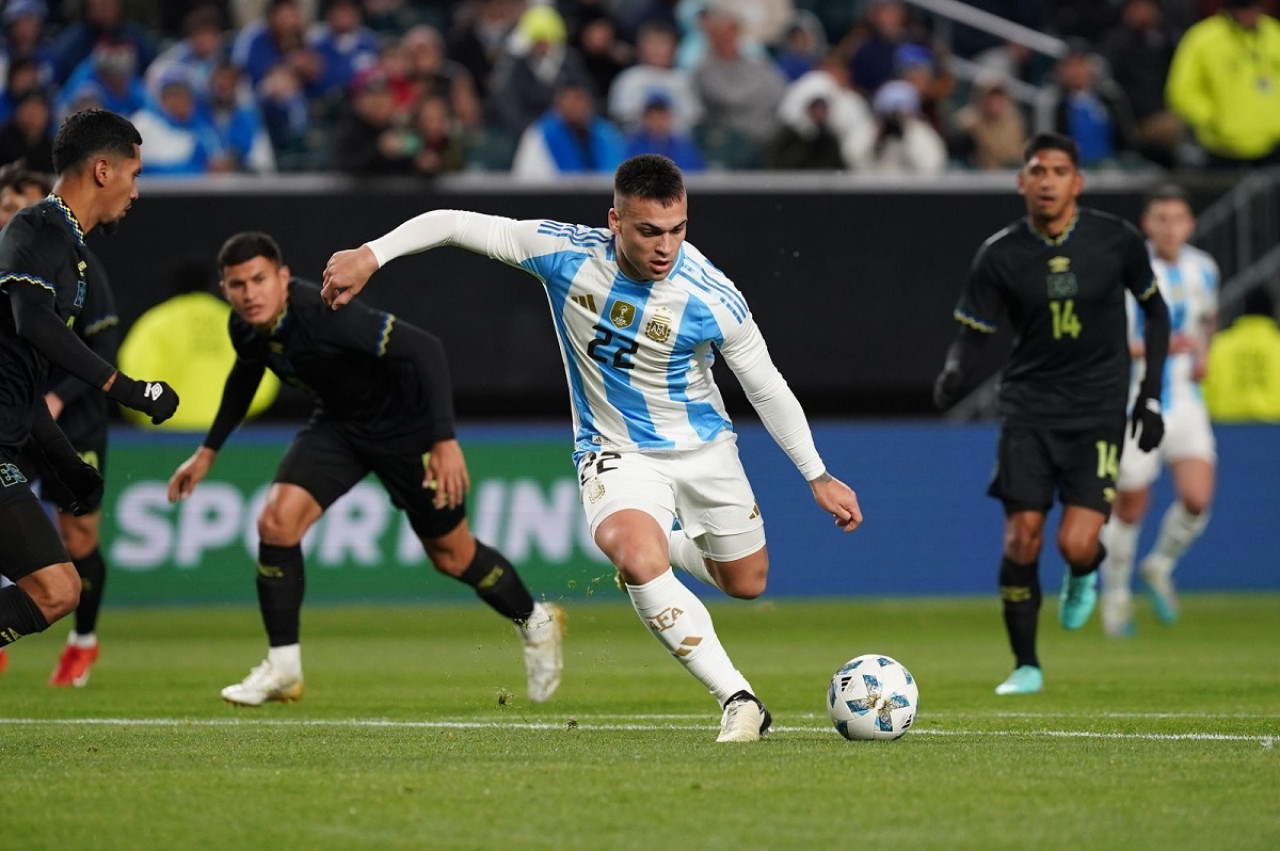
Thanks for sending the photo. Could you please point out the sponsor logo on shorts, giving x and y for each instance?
(10, 475)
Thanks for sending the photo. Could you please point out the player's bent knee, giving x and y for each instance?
(55, 590)
(1078, 551)
(274, 528)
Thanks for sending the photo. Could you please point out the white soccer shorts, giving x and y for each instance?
(705, 488)
(1187, 434)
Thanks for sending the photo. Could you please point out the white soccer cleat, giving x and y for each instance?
(745, 719)
(543, 637)
(1116, 608)
(264, 683)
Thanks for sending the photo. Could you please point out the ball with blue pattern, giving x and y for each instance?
(872, 697)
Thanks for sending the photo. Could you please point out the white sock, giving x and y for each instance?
(84, 642)
(287, 659)
(684, 554)
(1121, 539)
(1178, 530)
(682, 623)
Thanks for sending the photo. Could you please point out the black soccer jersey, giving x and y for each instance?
(1064, 298)
(43, 247)
(357, 364)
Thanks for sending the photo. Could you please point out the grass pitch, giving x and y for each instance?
(414, 733)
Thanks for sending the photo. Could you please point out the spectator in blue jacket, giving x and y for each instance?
(103, 20)
(344, 45)
(657, 134)
(569, 139)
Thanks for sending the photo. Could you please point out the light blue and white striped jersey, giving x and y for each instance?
(1189, 287)
(637, 354)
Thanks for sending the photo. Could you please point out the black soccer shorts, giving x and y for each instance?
(1079, 464)
(326, 461)
(29, 538)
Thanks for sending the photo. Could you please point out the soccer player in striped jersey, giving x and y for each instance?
(639, 313)
(1188, 280)
(1059, 275)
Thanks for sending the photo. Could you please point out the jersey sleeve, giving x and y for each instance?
(745, 352)
(1139, 277)
(981, 301)
(537, 246)
(26, 255)
(98, 326)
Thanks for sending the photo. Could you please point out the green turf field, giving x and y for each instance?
(414, 733)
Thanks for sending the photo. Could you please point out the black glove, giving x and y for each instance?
(1146, 413)
(154, 398)
(83, 482)
(946, 388)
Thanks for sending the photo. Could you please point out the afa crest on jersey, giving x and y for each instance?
(658, 328)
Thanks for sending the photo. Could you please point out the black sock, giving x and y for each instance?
(497, 583)
(281, 583)
(1085, 570)
(93, 576)
(19, 615)
(1020, 591)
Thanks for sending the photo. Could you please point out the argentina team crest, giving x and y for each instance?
(622, 314)
(1061, 282)
(658, 328)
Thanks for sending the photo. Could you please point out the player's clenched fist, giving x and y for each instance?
(345, 275)
(153, 398)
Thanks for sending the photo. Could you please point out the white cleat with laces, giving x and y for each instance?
(543, 637)
(264, 683)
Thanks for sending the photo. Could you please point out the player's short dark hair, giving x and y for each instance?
(1052, 142)
(1165, 192)
(90, 132)
(652, 177)
(243, 247)
(18, 177)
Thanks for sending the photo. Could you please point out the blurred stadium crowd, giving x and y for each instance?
(423, 87)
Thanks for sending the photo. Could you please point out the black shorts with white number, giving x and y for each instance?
(326, 462)
(1079, 464)
(30, 540)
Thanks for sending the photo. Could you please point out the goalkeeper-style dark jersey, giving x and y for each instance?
(1064, 298)
(43, 268)
(377, 377)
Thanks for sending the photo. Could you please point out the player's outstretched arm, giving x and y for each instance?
(499, 238)
(839, 500)
(446, 474)
(190, 473)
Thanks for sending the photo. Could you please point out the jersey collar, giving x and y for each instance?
(69, 216)
(1060, 238)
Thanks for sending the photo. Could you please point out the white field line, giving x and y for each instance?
(629, 722)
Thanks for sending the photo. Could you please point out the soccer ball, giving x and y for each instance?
(872, 697)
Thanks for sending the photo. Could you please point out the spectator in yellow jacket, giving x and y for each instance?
(186, 337)
(1242, 381)
(1225, 83)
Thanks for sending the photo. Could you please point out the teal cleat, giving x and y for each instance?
(1078, 598)
(1164, 597)
(1025, 679)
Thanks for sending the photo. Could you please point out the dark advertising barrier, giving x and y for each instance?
(929, 527)
(852, 285)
